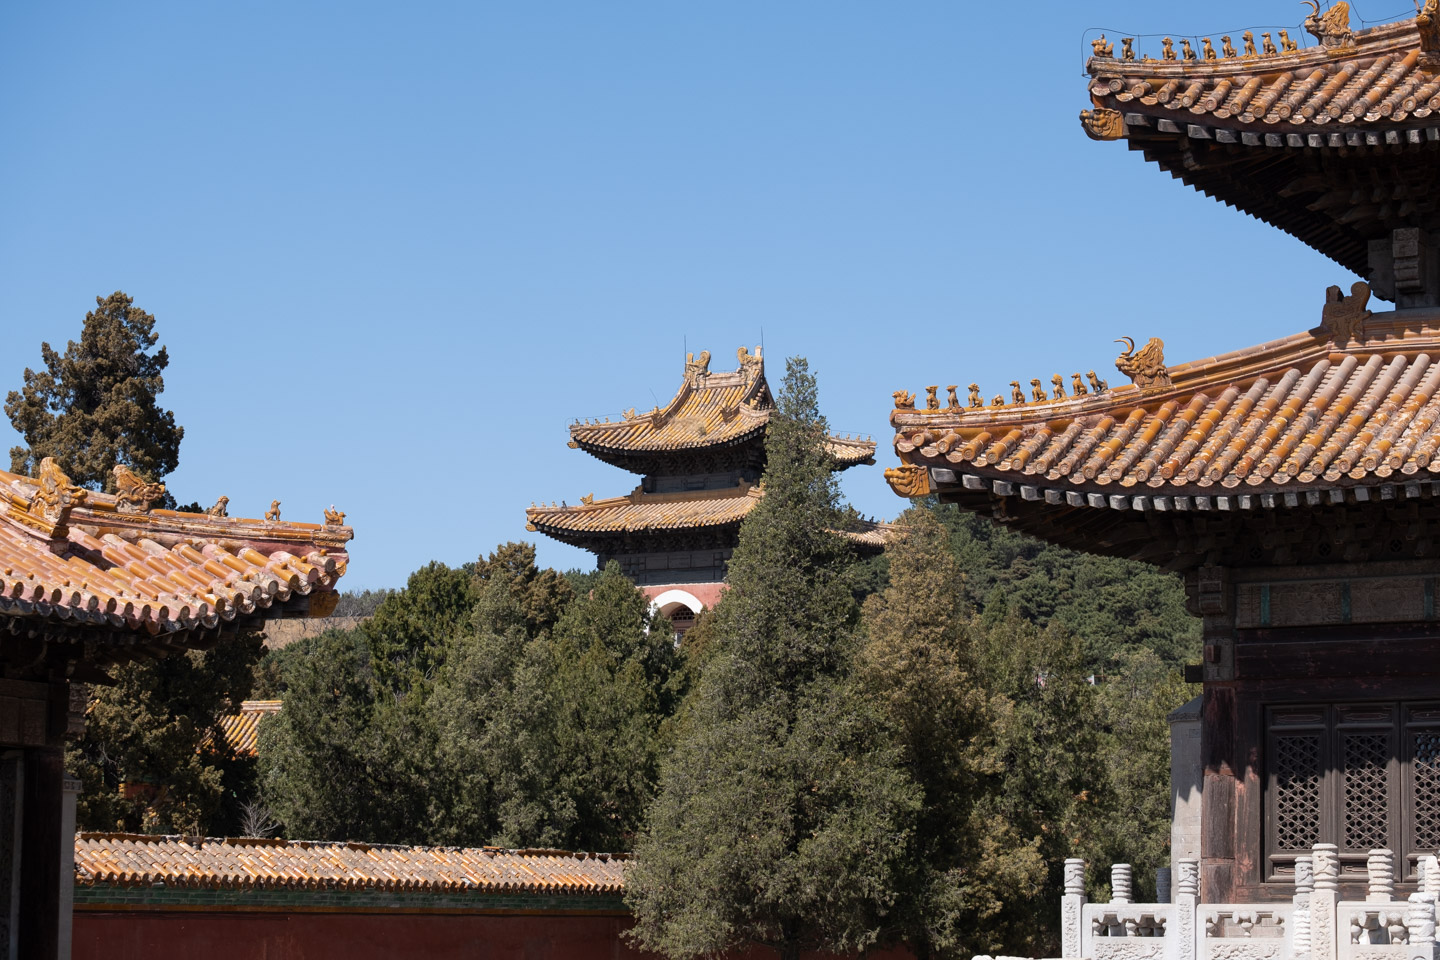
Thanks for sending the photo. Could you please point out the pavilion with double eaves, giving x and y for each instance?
(1295, 484)
(89, 580)
(700, 458)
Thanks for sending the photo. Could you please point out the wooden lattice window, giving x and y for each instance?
(1361, 776)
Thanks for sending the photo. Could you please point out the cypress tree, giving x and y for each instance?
(783, 815)
(918, 662)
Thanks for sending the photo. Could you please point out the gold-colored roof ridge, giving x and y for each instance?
(1253, 50)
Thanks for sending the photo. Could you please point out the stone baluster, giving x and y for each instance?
(1324, 938)
(1420, 925)
(1162, 884)
(1430, 875)
(1121, 887)
(1187, 904)
(1381, 867)
(1300, 924)
(1072, 910)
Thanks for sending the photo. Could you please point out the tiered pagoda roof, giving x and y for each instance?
(1333, 143)
(110, 574)
(715, 423)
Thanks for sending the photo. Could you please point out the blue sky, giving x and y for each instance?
(394, 249)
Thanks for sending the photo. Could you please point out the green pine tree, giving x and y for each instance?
(96, 404)
(784, 814)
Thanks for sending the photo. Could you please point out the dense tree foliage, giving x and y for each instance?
(151, 758)
(483, 705)
(96, 404)
(968, 860)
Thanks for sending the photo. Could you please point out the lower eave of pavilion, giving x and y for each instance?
(619, 524)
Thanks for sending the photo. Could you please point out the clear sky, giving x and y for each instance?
(395, 248)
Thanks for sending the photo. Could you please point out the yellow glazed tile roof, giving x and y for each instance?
(239, 730)
(711, 409)
(1313, 412)
(641, 512)
(119, 570)
(132, 860)
(1380, 78)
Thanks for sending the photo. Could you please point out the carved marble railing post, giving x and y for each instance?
(1381, 867)
(1072, 909)
(1187, 902)
(1300, 925)
(1121, 886)
(1324, 938)
(1162, 884)
(1420, 925)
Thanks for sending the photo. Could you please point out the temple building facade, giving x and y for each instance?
(1294, 484)
(90, 580)
(700, 459)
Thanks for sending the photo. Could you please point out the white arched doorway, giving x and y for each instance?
(680, 606)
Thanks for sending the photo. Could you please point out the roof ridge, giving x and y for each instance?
(155, 839)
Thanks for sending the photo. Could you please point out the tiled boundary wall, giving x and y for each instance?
(168, 923)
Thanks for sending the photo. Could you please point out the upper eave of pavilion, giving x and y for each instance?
(1383, 78)
(710, 410)
(1314, 413)
(81, 565)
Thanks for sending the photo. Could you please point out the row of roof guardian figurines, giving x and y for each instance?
(1316, 923)
(133, 495)
(1331, 29)
(1146, 369)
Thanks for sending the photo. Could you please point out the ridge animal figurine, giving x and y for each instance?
(273, 514)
